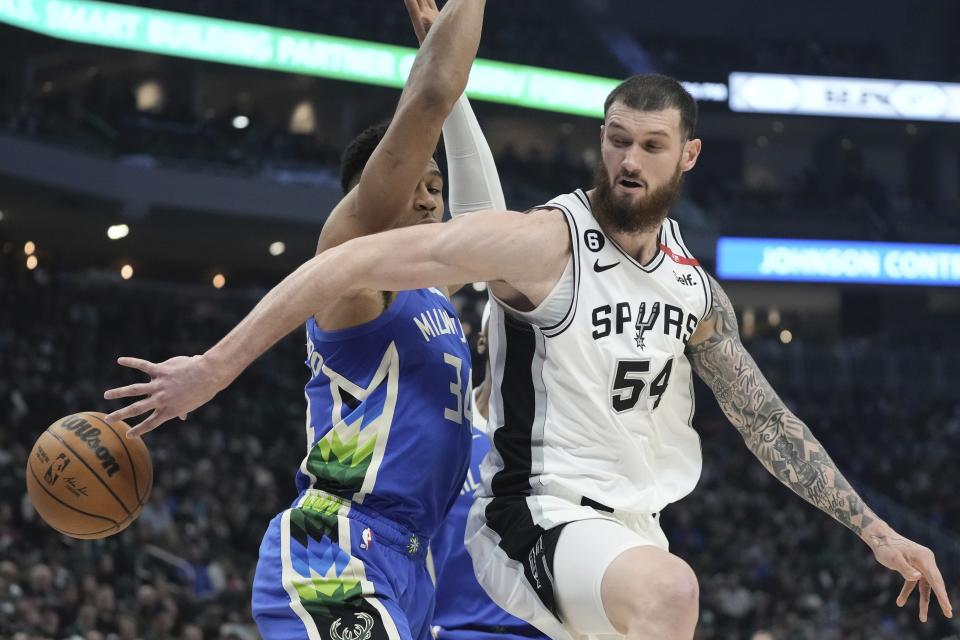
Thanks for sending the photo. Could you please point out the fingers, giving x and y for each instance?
(907, 570)
(416, 18)
(923, 571)
(908, 587)
(415, 9)
(132, 410)
(152, 422)
(146, 366)
(129, 391)
(935, 582)
(924, 599)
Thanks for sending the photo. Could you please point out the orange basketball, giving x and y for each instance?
(86, 479)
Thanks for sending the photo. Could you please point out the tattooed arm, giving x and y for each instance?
(785, 446)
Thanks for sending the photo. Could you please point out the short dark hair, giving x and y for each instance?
(358, 152)
(656, 92)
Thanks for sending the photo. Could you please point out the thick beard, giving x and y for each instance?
(620, 214)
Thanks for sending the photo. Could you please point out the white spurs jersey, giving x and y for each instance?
(597, 406)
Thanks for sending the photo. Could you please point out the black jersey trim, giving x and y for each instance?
(567, 320)
(654, 262)
(675, 232)
(584, 199)
(514, 440)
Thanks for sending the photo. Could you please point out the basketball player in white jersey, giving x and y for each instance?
(602, 317)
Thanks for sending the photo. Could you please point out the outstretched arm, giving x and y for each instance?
(785, 446)
(492, 246)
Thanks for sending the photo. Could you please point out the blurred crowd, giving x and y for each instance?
(832, 190)
(770, 566)
(838, 181)
(767, 562)
(525, 33)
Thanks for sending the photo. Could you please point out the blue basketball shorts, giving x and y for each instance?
(331, 570)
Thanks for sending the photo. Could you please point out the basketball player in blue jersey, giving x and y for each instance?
(464, 610)
(601, 310)
(388, 394)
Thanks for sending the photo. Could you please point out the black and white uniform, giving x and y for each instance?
(590, 419)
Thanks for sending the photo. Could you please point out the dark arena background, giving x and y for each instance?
(159, 172)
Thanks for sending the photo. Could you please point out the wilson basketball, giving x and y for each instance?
(86, 479)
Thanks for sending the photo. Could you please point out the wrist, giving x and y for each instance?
(876, 533)
(217, 368)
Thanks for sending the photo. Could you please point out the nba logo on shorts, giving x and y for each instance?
(367, 537)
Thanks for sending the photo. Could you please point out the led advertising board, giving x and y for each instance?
(838, 261)
(253, 45)
(844, 97)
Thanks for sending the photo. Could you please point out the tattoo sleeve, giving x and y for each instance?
(782, 443)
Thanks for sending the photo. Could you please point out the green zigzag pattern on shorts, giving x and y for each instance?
(318, 593)
(340, 466)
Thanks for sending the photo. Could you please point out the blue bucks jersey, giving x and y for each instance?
(388, 411)
(461, 601)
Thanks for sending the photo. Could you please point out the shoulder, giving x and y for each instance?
(718, 325)
(342, 225)
(545, 219)
(547, 229)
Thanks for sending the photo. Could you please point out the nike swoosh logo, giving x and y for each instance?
(601, 268)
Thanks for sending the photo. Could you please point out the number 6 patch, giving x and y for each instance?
(594, 240)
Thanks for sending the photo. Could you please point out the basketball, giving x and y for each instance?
(86, 479)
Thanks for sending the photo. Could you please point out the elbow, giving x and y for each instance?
(337, 270)
(438, 93)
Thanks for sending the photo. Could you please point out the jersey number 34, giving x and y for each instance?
(462, 408)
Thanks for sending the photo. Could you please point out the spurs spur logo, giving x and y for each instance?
(357, 631)
(644, 324)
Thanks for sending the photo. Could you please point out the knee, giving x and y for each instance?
(672, 593)
(651, 594)
(678, 590)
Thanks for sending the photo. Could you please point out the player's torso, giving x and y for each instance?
(388, 411)
(604, 398)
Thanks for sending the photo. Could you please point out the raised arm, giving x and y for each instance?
(492, 246)
(437, 79)
(785, 446)
(474, 181)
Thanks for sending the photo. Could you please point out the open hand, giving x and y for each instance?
(423, 13)
(177, 387)
(916, 564)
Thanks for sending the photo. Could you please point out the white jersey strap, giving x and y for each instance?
(556, 312)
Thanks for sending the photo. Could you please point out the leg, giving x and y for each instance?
(503, 577)
(308, 586)
(613, 580)
(650, 593)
